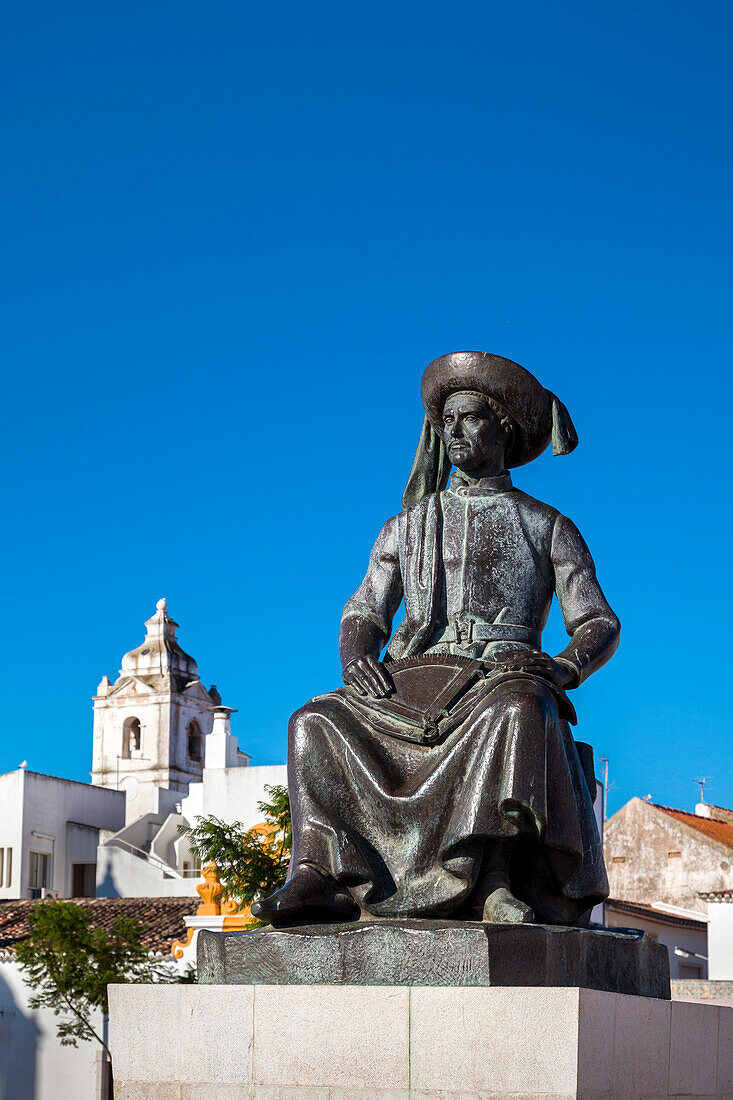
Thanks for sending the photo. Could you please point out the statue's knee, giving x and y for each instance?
(303, 727)
(527, 702)
(297, 729)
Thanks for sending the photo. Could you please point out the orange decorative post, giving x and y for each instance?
(211, 914)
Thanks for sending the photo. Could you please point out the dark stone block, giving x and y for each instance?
(429, 952)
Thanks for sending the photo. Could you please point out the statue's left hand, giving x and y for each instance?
(542, 664)
(368, 676)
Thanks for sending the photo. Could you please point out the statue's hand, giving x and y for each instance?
(368, 676)
(542, 664)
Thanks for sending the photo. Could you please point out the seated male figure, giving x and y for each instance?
(494, 820)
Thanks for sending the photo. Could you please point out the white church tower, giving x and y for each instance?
(150, 726)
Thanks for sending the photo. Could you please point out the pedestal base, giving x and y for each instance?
(244, 1042)
(429, 952)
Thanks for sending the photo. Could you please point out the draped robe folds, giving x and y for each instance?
(405, 826)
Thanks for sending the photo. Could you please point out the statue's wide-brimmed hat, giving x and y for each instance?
(537, 415)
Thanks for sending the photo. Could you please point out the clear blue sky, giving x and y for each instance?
(234, 234)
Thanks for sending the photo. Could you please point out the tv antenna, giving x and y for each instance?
(702, 781)
(606, 785)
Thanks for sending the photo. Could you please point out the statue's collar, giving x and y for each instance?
(464, 483)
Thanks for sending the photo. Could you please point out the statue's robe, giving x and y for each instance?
(404, 826)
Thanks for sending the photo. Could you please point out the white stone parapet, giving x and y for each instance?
(288, 1042)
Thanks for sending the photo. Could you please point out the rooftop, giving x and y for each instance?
(717, 895)
(162, 918)
(60, 779)
(720, 831)
(648, 912)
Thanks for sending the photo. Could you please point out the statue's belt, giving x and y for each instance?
(464, 630)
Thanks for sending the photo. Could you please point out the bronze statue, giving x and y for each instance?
(443, 781)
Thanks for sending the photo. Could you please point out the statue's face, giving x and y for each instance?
(474, 436)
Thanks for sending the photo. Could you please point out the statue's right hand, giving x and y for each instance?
(368, 676)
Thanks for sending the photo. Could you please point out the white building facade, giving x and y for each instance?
(49, 834)
(720, 935)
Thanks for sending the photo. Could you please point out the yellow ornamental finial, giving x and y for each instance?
(209, 891)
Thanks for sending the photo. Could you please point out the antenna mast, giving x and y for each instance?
(606, 785)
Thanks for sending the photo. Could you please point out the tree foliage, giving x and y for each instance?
(70, 964)
(251, 863)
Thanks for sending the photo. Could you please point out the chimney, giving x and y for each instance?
(221, 744)
(714, 813)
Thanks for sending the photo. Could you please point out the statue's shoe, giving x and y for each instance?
(501, 907)
(308, 895)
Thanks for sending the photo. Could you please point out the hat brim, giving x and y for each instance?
(527, 402)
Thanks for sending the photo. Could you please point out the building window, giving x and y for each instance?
(6, 867)
(131, 734)
(38, 873)
(195, 742)
(83, 880)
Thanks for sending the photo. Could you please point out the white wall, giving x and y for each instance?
(33, 1064)
(164, 844)
(11, 829)
(121, 874)
(58, 817)
(232, 794)
(147, 798)
(49, 804)
(720, 940)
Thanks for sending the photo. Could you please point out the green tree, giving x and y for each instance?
(71, 964)
(251, 863)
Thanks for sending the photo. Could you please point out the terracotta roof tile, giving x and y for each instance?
(720, 831)
(636, 909)
(162, 918)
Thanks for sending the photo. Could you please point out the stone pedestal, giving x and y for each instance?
(348, 1042)
(445, 953)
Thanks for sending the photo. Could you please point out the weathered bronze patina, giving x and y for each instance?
(415, 951)
(442, 780)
